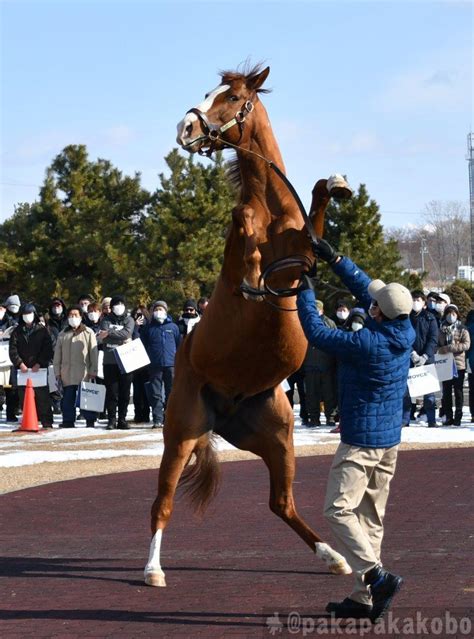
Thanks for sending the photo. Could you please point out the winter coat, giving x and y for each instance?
(470, 328)
(186, 324)
(318, 360)
(426, 330)
(120, 328)
(454, 338)
(75, 355)
(31, 346)
(372, 364)
(161, 341)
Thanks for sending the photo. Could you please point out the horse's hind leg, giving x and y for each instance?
(273, 441)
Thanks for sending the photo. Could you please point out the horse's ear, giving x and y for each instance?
(254, 82)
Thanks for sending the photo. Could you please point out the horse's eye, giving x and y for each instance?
(206, 96)
(233, 98)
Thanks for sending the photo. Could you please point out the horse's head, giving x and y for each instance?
(221, 116)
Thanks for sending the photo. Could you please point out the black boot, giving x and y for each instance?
(349, 609)
(66, 425)
(122, 424)
(112, 425)
(383, 587)
(90, 423)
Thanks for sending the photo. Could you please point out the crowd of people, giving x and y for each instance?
(75, 343)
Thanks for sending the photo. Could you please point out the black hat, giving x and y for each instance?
(190, 304)
(117, 299)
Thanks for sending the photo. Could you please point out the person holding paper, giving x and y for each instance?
(454, 338)
(31, 348)
(373, 368)
(75, 360)
(424, 349)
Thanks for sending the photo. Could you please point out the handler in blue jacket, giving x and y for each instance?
(373, 367)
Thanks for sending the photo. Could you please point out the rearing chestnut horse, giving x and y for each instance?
(229, 369)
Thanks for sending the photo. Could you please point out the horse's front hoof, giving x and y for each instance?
(335, 562)
(340, 567)
(155, 578)
(338, 188)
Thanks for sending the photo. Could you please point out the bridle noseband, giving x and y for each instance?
(213, 133)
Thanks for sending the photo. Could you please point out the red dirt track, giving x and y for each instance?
(73, 554)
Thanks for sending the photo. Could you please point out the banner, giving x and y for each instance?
(131, 356)
(423, 380)
(39, 379)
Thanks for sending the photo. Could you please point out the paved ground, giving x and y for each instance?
(73, 555)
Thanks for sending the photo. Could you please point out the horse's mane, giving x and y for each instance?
(246, 72)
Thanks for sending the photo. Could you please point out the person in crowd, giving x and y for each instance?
(453, 338)
(31, 347)
(202, 304)
(431, 299)
(373, 367)
(442, 301)
(470, 361)
(75, 360)
(298, 379)
(84, 301)
(12, 304)
(424, 349)
(6, 328)
(320, 371)
(189, 317)
(116, 329)
(341, 313)
(141, 376)
(106, 306)
(57, 317)
(93, 317)
(161, 337)
(356, 320)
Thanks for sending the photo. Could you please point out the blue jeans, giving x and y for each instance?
(429, 403)
(68, 405)
(159, 389)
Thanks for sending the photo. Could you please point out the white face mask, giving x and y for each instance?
(57, 310)
(417, 306)
(451, 318)
(14, 309)
(28, 318)
(84, 307)
(74, 321)
(93, 316)
(2, 314)
(356, 326)
(440, 307)
(342, 315)
(159, 315)
(118, 309)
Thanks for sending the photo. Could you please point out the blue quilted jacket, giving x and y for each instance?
(373, 365)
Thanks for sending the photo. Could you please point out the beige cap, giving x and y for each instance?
(393, 299)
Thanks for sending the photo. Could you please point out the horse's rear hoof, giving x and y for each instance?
(156, 579)
(338, 188)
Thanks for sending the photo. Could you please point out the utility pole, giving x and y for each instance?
(423, 251)
(470, 159)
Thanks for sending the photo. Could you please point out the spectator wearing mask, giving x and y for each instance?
(341, 313)
(57, 317)
(93, 318)
(31, 348)
(356, 320)
(116, 329)
(202, 304)
(320, 371)
(424, 349)
(442, 301)
(453, 338)
(140, 377)
(373, 367)
(75, 360)
(12, 304)
(106, 306)
(84, 301)
(189, 317)
(470, 359)
(161, 338)
(431, 301)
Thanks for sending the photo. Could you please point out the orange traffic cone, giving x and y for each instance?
(29, 420)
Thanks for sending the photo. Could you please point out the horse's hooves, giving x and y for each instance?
(338, 188)
(156, 579)
(340, 568)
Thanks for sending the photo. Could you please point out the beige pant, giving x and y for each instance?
(356, 496)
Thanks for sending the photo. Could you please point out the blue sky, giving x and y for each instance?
(377, 90)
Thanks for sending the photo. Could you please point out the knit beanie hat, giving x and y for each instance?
(161, 304)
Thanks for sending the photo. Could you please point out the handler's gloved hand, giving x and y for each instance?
(306, 283)
(416, 359)
(324, 251)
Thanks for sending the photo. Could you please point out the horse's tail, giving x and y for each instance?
(201, 480)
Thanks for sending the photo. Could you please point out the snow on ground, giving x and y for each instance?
(80, 443)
